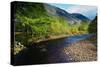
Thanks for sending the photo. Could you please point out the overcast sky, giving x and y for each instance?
(88, 11)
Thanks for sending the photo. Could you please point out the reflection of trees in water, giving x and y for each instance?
(31, 55)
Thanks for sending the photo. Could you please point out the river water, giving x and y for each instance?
(48, 51)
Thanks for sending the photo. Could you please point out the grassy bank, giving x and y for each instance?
(51, 38)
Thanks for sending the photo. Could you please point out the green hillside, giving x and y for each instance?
(34, 23)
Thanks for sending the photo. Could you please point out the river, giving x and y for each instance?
(48, 51)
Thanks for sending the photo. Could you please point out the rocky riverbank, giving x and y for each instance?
(85, 50)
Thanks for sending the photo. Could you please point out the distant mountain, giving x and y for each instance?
(80, 16)
(71, 18)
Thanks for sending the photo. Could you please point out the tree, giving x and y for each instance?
(93, 26)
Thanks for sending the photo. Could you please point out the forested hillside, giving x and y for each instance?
(32, 23)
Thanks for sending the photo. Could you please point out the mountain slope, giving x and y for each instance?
(71, 18)
(81, 17)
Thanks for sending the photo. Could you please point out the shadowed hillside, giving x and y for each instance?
(93, 26)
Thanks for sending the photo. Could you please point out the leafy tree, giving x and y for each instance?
(93, 26)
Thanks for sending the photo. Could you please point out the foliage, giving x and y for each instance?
(83, 26)
(34, 23)
(93, 26)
